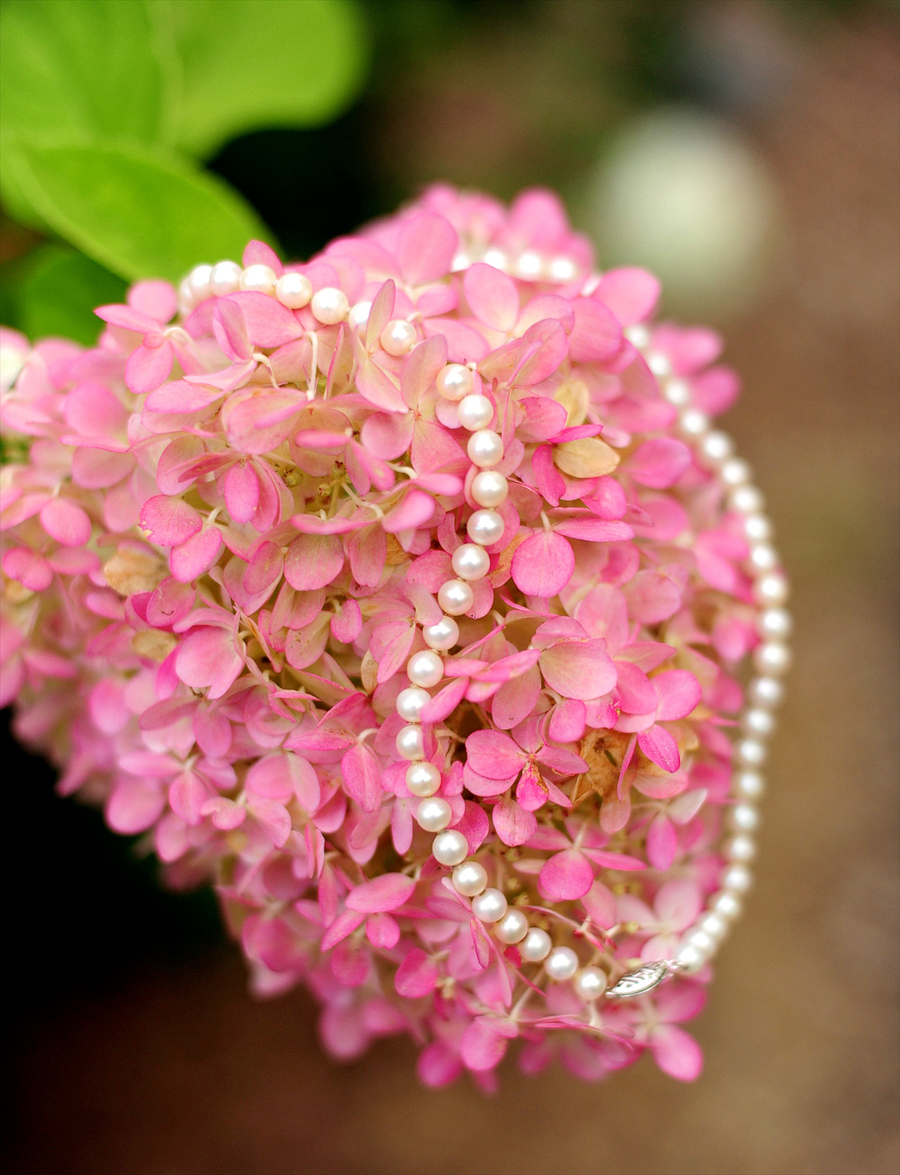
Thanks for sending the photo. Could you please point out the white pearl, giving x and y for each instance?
(689, 958)
(449, 848)
(529, 266)
(772, 658)
(713, 925)
(536, 945)
(726, 905)
(659, 364)
(677, 392)
(359, 314)
(259, 279)
(512, 928)
(485, 527)
(771, 589)
(410, 742)
(766, 691)
(470, 879)
(489, 488)
(763, 557)
(434, 814)
(758, 722)
(198, 280)
(700, 940)
(562, 269)
(590, 983)
(741, 848)
(443, 635)
(293, 290)
(330, 305)
(737, 878)
(489, 906)
(475, 412)
(485, 448)
(561, 964)
(461, 260)
(398, 337)
(411, 702)
(423, 779)
(425, 669)
(638, 334)
(495, 257)
(775, 622)
(744, 818)
(693, 422)
(225, 278)
(757, 528)
(471, 562)
(716, 447)
(735, 472)
(750, 752)
(456, 597)
(749, 785)
(186, 299)
(746, 500)
(454, 381)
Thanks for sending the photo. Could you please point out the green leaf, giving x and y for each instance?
(263, 63)
(59, 292)
(135, 210)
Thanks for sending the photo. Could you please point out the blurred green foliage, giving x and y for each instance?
(58, 288)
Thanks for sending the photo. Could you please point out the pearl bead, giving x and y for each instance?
(293, 290)
(638, 334)
(677, 392)
(495, 257)
(763, 557)
(766, 691)
(772, 658)
(735, 472)
(454, 381)
(410, 742)
(561, 964)
(485, 527)
(469, 879)
(750, 752)
(746, 500)
(461, 260)
(475, 412)
(489, 488)
(443, 635)
(693, 422)
(659, 364)
(771, 589)
(529, 266)
(456, 597)
(425, 669)
(259, 279)
(489, 906)
(186, 299)
(737, 878)
(744, 818)
(757, 528)
(485, 448)
(749, 785)
(562, 269)
(716, 447)
(535, 945)
(411, 702)
(225, 278)
(423, 779)
(198, 280)
(449, 848)
(359, 314)
(713, 925)
(398, 337)
(689, 958)
(700, 940)
(741, 848)
(590, 983)
(758, 722)
(512, 928)
(330, 305)
(726, 905)
(471, 562)
(774, 622)
(433, 814)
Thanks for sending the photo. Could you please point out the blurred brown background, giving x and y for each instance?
(155, 1061)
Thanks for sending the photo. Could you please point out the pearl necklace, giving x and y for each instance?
(471, 562)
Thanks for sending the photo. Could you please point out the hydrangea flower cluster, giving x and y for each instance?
(403, 595)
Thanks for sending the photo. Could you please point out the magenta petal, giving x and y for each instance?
(543, 565)
(416, 976)
(312, 561)
(676, 1053)
(386, 892)
(578, 669)
(241, 490)
(445, 701)
(362, 777)
(659, 746)
(482, 1048)
(345, 923)
(662, 842)
(630, 293)
(516, 698)
(566, 876)
(658, 463)
(636, 694)
(425, 248)
(259, 253)
(413, 511)
(194, 557)
(678, 692)
(492, 296)
(169, 521)
(148, 367)
(596, 334)
(493, 755)
(513, 824)
(530, 794)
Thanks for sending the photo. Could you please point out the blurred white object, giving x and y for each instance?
(683, 195)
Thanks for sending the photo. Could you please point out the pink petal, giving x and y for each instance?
(268, 323)
(425, 248)
(259, 253)
(148, 367)
(445, 701)
(543, 564)
(541, 350)
(566, 876)
(362, 777)
(578, 669)
(312, 561)
(660, 747)
(678, 692)
(658, 463)
(676, 1053)
(128, 318)
(677, 903)
(207, 658)
(169, 521)
(492, 296)
(416, 976)
(567, 721)
(187, 795)
(134, 805)
(157, 299)
(345, 923)
(386, 892)
(421, 369)
(66, 522)
(413, 511)
(652, 597)
(634, 688)
(662, 842)
(596, 334)
(482, 1048)
(493, 755)
(474, 825)
(531, 794)
(516, 698)
(630, 293)
(241, 490)
(194, 557)
(513, 824)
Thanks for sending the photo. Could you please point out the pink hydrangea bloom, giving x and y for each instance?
(227, 532)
